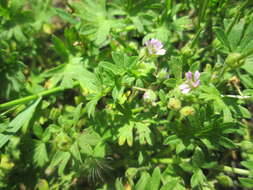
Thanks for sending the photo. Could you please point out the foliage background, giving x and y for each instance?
(73, 78)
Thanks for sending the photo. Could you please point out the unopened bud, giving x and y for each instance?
(187, 110)
(42, 185)
(149, 96)
(163, 74)
(6, 163)
(131, 172)
(63, 142)
(247, 146)
(174, 104)
(233, 60)
(225, 181)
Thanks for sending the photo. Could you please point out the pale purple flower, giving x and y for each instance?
(146, 96)
(185, 88)
(191, 82)
(155, 47)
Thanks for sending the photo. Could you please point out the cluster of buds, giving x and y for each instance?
(191, 82)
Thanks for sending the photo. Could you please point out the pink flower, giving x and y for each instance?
(155, 47)
(191, 82)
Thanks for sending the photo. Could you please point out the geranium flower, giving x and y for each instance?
(155, 47)
(191, 82)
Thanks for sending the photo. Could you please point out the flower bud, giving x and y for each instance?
(47, 28)
(54, 113)
(163, 74)
(133, 45)
(131, 172)
(187, 51)
(149, 96)
(42, 185)
(63, 142)
(225, 181)
(247, 146)
(187, 110)
(174, 104)
(233, 60)
(6, 163)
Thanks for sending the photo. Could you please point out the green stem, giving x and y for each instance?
(227, 169)
(33, 97)
(237, 16)
(196, 37)
(235, 170)
(245, 55)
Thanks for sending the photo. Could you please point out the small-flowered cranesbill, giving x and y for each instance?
(191, 82)
(155, 47)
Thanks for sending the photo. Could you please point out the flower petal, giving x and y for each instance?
(183, 86)
(188, 76)
(196, 84)
(161, 52)
(196, 75)
(186, 90)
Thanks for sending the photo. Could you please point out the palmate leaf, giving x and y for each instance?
(97, 23)
(40, 156)
(60, 159)
(74, 70)
(22, 119)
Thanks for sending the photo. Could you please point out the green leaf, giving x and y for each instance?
(40, 156)
(176, 67)
(22, 119)
(246, 182)
(65, 16)
(226, 142)
(143, 181)
(248, 164)
(171, 185)
(63, 163)
(89, 137)
(144, 133)
(74, 149)
(60, 47)
(126, 134)
(197, 178)
(103, 31)
(220, 34)
(112, 67)
(119, 185)
(58, 157)
(91, 106)
(155, 179)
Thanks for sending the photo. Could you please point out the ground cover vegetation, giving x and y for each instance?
(126, 94)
